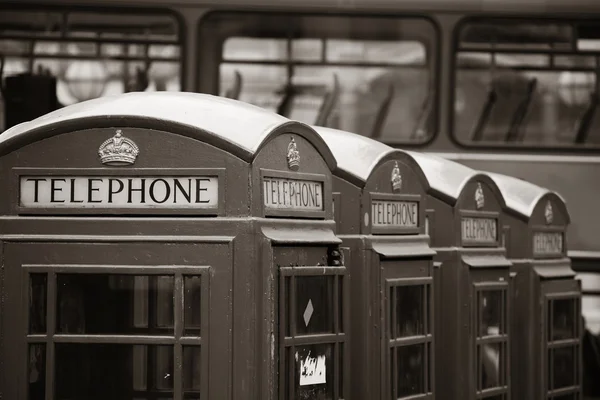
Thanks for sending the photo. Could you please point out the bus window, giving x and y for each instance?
(527, 83)
(372, 76)
(91, 54)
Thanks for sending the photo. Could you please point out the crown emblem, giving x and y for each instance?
(548, 213)
(293, 156)
(118, 150)
(396, 178)
(479, 197)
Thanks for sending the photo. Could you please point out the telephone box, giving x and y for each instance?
(169, 246)
(547, 329)
(379, 201)
(464, 215)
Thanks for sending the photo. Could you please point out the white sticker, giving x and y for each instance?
(312, 370)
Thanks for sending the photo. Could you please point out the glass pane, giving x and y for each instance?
(192, 370)
(314, 372)
(521, 97)
(314, 304)
(411, 370)
(37, 372)
(564, 367)
(107, 371)
(369, 63)
(193, 301)
(103, 61)
(492, 365)
(37, 303)
(114, 304)
(409, 308)
(563, 318)
(491, 310)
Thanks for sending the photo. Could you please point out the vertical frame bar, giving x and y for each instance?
(50, 330)
(178, 313)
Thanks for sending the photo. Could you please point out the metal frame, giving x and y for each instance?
(177, 340)
(289, 339)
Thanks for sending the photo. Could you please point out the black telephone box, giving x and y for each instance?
(169, 245)
(379, 199)
(546, 323)
(464, 217)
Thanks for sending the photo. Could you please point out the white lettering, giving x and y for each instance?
(280, 193)
(395, 213)
(479, 230)
(119, 192)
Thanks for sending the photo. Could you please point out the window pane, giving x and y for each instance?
(192, 303)
(512, 87)
(491, 310)
(377, 61)
(314, 304)
(563, 317)
(492, 365)
(37, 303)
(37, 372)
(410, 370)
(114, 304)
(192, 370)
(109, 370)
(314, 372)
(564, 367)
(102, 60)
(409, 308)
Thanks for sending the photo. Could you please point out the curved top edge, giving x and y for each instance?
(523, 196)
(444, 176)
(356, 155)
(230, 121)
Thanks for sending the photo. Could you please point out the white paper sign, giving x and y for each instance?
(312, 370)
(479, 230)
(119, 192)
(292, 194)
(547, 243)
(395, 213)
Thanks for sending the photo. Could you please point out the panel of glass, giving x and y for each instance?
(491, 312)
(409, 309)
(522, 97)
(376, 61)
(192, 305)
(563, 319)
(94, 64)
(94, 371)
(314, 304)
(410, 370)
(37, 372)
(564, 366)
(492, 365)
(114, 304)
(314, 372)
(38, 286)
(192, 370)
